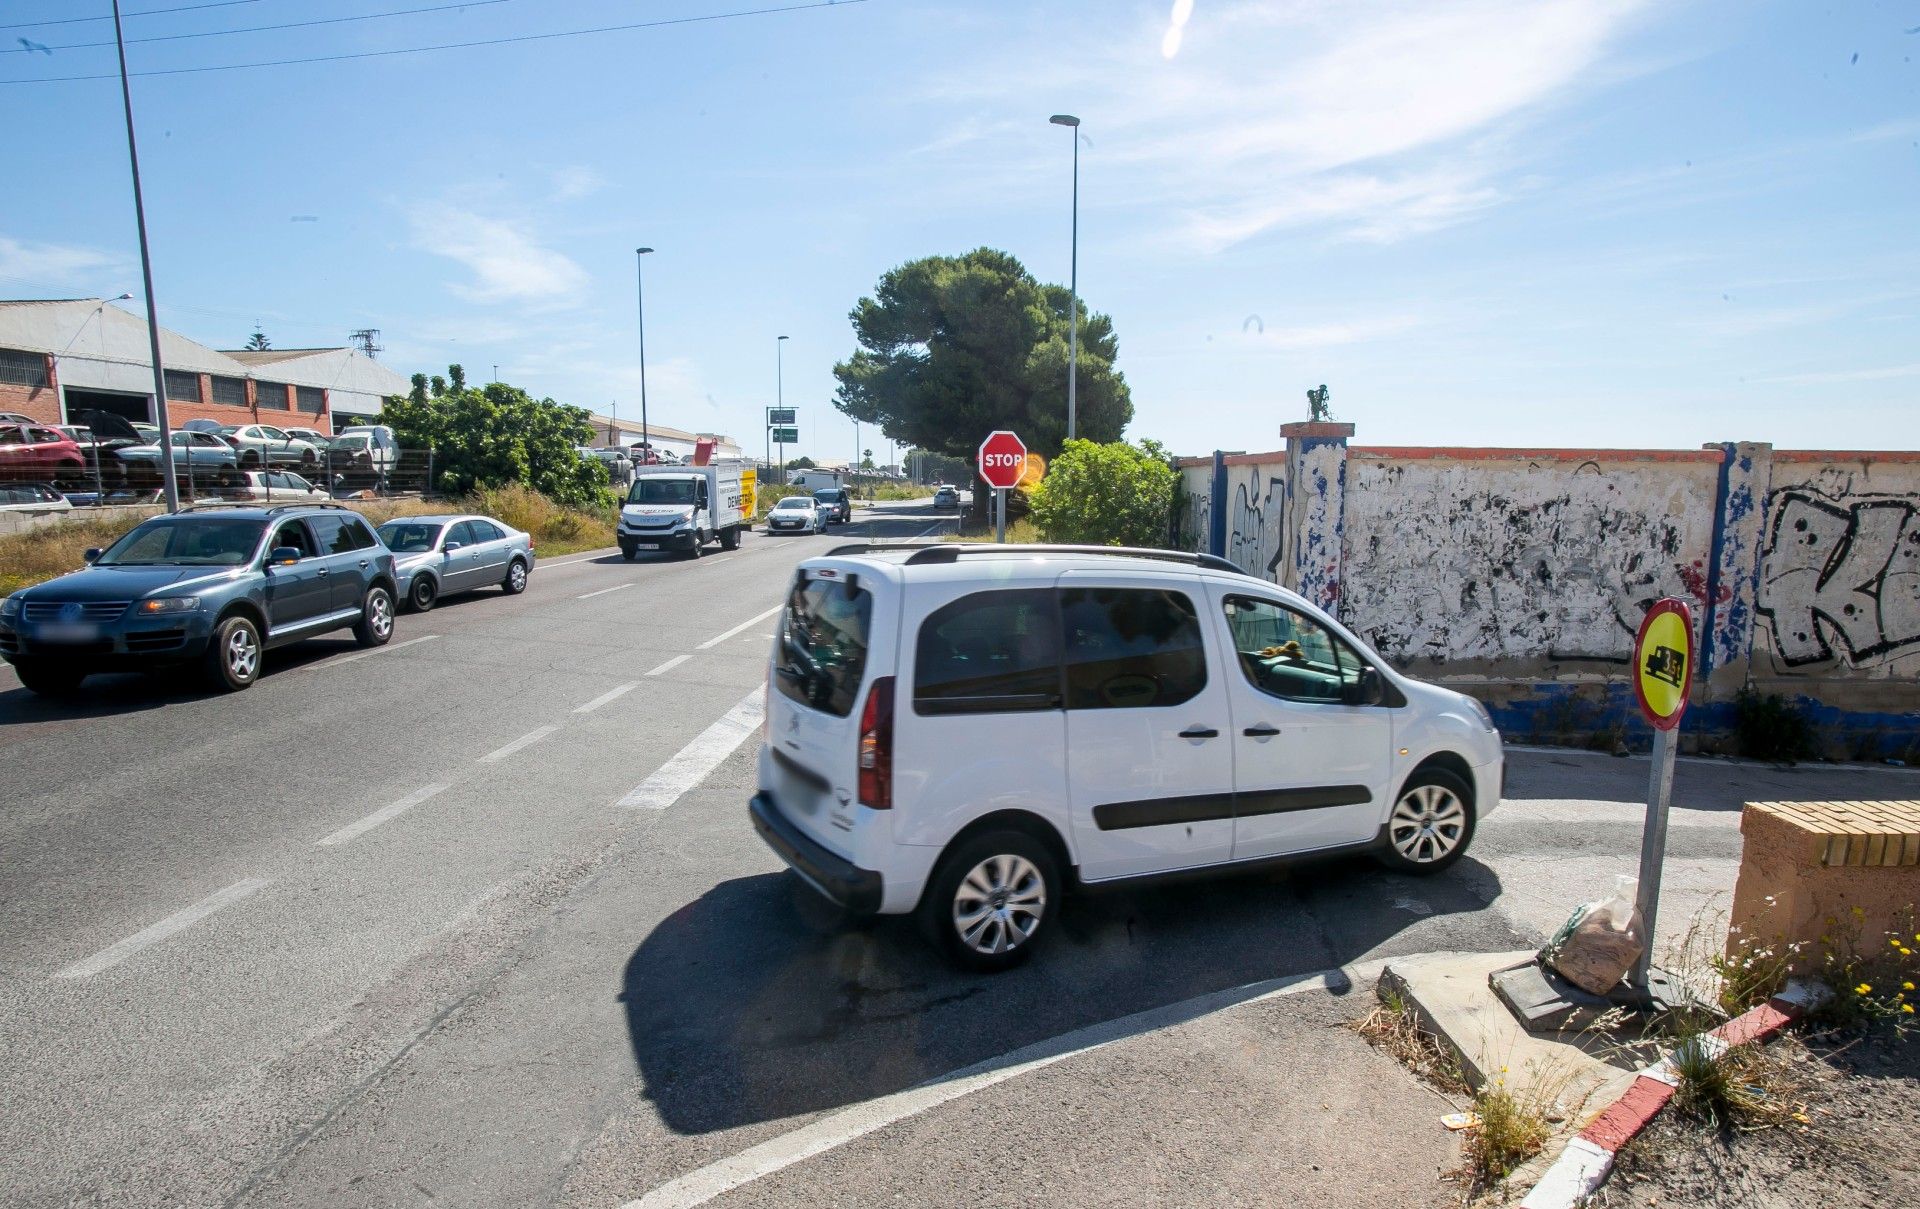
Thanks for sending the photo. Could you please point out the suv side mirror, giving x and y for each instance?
(1365, 690)
(92, 554)
(283, 556)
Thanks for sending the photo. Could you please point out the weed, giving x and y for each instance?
(1393, 1027)
(1873, 979)
(1767, 726)
(1743, 1087)
(1512, 1130)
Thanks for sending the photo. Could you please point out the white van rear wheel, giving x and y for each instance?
(990, 899)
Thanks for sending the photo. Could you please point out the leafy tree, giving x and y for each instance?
(866, 462)
(498, 434)
(258, 342)
(1106, 495)
(953, 347)
(802, 464)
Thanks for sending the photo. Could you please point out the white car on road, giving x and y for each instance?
(969, 731)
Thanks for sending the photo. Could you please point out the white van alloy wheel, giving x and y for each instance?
(998, 904)
(1428, 823)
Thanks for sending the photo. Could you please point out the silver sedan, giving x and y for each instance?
(436, 556)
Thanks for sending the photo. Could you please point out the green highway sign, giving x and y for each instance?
(782, 415)
(786, 436)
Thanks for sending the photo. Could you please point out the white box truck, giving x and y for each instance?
(682, 508)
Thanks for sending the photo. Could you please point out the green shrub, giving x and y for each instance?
(1116, 494)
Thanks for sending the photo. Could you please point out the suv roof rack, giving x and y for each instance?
(924, 553)
(270, 509)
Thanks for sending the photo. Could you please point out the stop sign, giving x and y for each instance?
(1003, 458)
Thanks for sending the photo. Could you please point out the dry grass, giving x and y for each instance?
(1512, 1129)
(34, 555)
(1393, 1027)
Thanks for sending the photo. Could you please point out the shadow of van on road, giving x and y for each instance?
(759, 1001)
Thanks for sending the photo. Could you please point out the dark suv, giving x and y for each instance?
(837, 503)
(213, 586)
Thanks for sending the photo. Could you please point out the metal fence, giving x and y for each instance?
(110, 479)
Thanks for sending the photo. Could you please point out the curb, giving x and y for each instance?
(1585, 1163)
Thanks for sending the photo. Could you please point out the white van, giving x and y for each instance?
(969, 731)
(671, 507)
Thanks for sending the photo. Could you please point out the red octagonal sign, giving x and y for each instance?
(1003, 459)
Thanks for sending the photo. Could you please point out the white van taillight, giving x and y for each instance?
(876, 746)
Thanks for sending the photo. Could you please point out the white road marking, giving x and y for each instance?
(929, 533)
(362, 826)
(693, 763)
(714, 562)
(739, 629)
(609, 695)
(669, 665)
(119, 951)
(379, 650)
(527, 740)
(584, 558)
(602, 592)
(823, 1134)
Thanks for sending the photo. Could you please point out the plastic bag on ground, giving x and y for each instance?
(1600, 941)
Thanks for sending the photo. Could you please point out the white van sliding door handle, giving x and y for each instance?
(1262, 731)
(1199, 732)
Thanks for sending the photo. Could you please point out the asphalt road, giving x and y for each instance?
(380, 931)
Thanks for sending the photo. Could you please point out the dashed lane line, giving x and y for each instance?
(608, 697)
(527, 740)
(603, 591)
(119, 951)
(379, 650)
(739, 629)
(384, 814)
(670, 664)
(693, 763)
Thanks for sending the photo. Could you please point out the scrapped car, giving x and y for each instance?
(198, 453)
(968, 732)
(213, 587)
(35, 452)
(32, 498)
(271, 486)
(260, 445)
(797, 514)
(437, 556)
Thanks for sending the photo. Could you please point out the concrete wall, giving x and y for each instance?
(1521, 574)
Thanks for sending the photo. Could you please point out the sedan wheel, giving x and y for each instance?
(1430, 824)
(421, 595)
(516, 578)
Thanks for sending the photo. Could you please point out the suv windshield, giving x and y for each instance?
(193, 542)
(409, 537)
(823, 644)
(662, 491)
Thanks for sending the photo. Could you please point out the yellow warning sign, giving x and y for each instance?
(1663, 662)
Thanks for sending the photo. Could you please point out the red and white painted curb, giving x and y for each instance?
(1583, 1166)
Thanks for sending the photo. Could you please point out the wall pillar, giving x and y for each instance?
(1217, 507)
(1733, 567)
(1316, 513)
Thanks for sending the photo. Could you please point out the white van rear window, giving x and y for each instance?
(823, 644)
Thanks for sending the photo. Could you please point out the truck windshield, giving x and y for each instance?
(662, 491)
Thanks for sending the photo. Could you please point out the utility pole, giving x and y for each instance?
(168, 479)
(1073, 276)
(640, 296)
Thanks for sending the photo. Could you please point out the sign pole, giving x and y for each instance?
(1000, 514)
(1653, 851)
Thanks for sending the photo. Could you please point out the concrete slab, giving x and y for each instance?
(1451, 995)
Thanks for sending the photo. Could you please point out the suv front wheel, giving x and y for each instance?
(233, 655)
(376, 618)
(989, 898)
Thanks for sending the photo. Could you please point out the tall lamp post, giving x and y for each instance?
(640, 296)
(168, 478)
(1073, 275)
(779, 401)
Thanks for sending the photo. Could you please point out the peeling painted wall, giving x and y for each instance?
(1839, 578)
(1511, 566)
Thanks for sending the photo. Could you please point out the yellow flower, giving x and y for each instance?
(1906, 986)
(1863, 988)
(1859, 913)
(1906, 1007)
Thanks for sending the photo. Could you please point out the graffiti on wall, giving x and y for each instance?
(1256, 512)
(1457, 563)
(1841, 579)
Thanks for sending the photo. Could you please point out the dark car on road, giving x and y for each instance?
(213, 587)
(837, 503)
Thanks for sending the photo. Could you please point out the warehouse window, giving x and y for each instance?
(271, 395)
(311, 398)
(230, 391)
(183, 386)
(23, 369)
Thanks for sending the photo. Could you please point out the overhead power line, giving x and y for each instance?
(255, 29)
(417, 50)
(145, 12)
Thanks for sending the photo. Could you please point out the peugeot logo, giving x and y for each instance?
(71, 611)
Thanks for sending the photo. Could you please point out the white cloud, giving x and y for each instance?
(56, 266)
(576, 181)
(1828, 377)
(1327, 335)
(508, 264)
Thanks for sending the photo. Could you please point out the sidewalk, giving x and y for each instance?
(1267, 1101)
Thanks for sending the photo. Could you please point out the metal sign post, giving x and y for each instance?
(1662, 675)
(1000, 515)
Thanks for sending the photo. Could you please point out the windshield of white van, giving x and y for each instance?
(823, 644)
(662, 491)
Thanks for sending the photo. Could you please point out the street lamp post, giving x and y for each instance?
(169, 480)
(1073, 276)
(780, 398)
(640, 296)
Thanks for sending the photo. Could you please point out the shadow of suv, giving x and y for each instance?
(215, 585)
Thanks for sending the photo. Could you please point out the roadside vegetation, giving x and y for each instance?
(1116, 494)
(34, 555)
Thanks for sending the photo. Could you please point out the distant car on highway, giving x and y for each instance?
(837, 503)
(946, 497)
(437, 556)
(797, 514)
(213, 587)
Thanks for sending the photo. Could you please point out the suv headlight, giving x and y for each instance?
(9, 606)
(169, 604)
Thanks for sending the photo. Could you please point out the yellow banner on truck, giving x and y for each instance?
(748, 486)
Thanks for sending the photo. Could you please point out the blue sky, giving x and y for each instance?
(1501, 222)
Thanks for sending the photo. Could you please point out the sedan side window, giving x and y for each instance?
(462, 533)
(991, 652)
(1287, 654)
(1131, 648)
(485, 531)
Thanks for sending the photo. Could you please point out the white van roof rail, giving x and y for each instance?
(949, 552)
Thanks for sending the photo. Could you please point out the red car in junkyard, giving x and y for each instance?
(38, 452)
